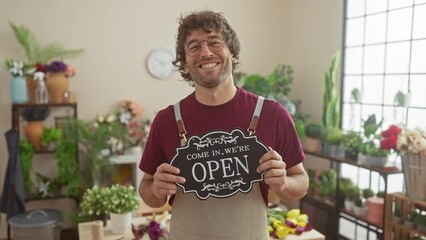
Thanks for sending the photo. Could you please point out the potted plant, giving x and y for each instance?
(344, 185)
(332, 141)
(35, 116)
(352, 193)
(351, 144)
(327, 184)
(38, 55)
(50, 137)
(18, 86)
(120, 203)
(360, 208)
(331, 98)
(94, 205)
(313, 134)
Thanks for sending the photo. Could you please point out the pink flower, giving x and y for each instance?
(69, 71)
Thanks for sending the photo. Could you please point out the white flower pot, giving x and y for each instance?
(349, 205)
(135, 150)
(121, 223)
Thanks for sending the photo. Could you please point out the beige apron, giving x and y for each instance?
(240, 217)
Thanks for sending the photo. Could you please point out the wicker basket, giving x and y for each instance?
(414, 167)
(38, 224)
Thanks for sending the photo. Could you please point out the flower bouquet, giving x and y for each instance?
(130, 114)
(156, 229)
(281, 224)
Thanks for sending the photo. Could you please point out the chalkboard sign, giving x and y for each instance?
(219, 164)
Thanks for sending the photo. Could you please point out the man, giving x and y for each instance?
(207, 51)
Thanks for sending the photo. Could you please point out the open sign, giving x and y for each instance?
(219, 164)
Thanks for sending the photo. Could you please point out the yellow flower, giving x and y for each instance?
(293, 213)
(276, 223)
(302, 218)
(301, 224)
(282, 231)
(270, 229)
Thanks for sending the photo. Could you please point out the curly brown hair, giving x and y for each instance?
(208, 21)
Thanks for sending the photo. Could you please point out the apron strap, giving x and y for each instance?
(255, 119)
(180, 124)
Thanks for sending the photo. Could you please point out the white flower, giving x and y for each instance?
(17, 68)
(110, 118)
(100, 118)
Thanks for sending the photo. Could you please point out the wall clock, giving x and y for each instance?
(159, 63)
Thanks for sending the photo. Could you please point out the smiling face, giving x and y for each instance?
(208, 68)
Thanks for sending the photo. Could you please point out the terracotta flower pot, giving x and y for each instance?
(33, 132)
(57, 84)
(31, 89)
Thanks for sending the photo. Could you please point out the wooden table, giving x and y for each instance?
(85, 232)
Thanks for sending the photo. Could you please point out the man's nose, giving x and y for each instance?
(205, 50)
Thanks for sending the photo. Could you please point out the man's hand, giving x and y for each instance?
(275, 167)
(165, 179)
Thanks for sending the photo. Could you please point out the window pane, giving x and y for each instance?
(399, 24)
(355, 8)
(361, 233)
(353, 60)
(416, 118)
(373, 89)
(417, 87)
(352, 119)
(418, 56)
(393, 84)
(355, 32)
(351, 82)
(397, 57)
(376, 6)
(420, 1)
(394, 115)
(399, 3)
(375, 28)
(374, 59)
(367, 110)
(419, 29)
(346, 228)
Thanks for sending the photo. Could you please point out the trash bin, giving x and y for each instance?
(37, 224)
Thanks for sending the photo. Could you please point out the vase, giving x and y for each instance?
(121, 223)
(18, 90)
(33, 132)
(414, 167)
(31, 89)
(57, 85)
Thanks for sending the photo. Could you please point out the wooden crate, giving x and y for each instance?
(398, 230)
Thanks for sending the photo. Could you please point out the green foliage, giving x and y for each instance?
(121, 199)
(352, 142)
(50, 135)
(331, 98)
(359, 202)
(381, 194)
(68, 170)
(371, 149)
(352, 193)
(345, 184)
(420, 220)
(314, 130)
(371, 126)
(34, 52)
(367, 193)
(312, 178)
(95, 201)
(26, 153)
(327, 183)
(92, 140)
(400, 99)
(333, 136)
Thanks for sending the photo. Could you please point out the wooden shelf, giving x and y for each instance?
(395, 230)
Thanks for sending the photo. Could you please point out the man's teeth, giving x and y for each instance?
(209, 65)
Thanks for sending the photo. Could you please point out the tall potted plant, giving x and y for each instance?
(331, 97)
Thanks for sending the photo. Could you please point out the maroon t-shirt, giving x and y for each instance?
(275, 129)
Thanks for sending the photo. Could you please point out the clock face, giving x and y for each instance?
(160, 63)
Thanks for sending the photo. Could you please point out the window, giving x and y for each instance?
(384, 53)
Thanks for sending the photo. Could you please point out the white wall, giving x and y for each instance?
(118, 35)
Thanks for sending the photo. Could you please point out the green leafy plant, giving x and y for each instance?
(68, 170)
(331, 97)
(333, 136)
(356, 95)
(94, 201)
(353, 192)
(327, 183)
(18, 68)
(380, 194)
(121, 199)
(312, 174)
(36, 53)
(50, 135)
(367, 193)
(352, 142)
(314, 130)
(26, 153)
